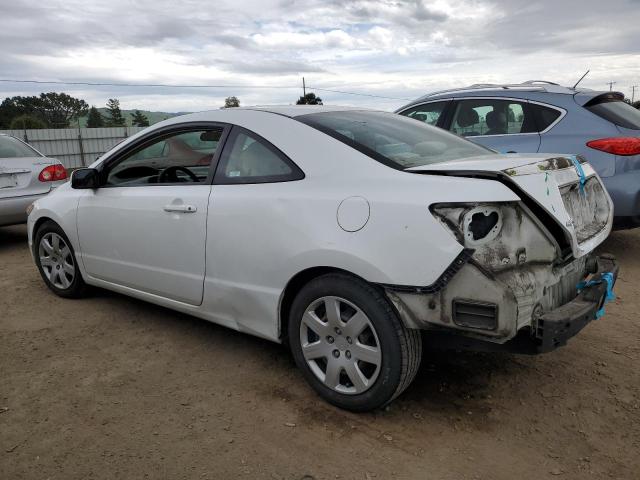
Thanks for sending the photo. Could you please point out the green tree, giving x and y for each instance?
(26, 121)
(94, 120)
(58, 109)
(230, 102)
(139, 119)
(636, 104)
(309, 99)
(12, 107)
(115, 118)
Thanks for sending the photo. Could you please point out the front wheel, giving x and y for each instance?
(350, 344)
(57, 262)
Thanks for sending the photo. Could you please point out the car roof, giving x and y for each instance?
(531, 88)
(298, 110)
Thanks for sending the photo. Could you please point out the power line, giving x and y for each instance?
(162, 85)
(361, 94)
(167, 85)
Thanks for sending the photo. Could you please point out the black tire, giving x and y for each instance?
(400, 347)
(76, 287)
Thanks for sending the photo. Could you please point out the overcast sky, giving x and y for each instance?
(399, 49)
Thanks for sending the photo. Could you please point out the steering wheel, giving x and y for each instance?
(169, 173)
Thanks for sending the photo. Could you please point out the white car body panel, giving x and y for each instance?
(231, 260)
(113, 223)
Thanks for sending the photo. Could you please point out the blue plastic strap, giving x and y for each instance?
(606, 277)
(580, 171)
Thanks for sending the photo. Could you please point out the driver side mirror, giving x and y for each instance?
(85, 178)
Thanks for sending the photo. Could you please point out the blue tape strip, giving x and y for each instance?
(580, 171)
(610, 296)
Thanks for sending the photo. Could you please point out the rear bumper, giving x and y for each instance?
(554, 328)
(624, 190)
(13, 210)
(551, 330)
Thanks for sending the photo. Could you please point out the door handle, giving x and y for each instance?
(180, 208)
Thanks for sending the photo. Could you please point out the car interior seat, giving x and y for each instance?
(467, 117)
(497, 123)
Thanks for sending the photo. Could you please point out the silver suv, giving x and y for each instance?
(540, 116)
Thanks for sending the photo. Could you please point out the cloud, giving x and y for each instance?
(393, 48)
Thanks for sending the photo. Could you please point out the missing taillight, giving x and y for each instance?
(53, 173)
(623, 146)
(481, 224)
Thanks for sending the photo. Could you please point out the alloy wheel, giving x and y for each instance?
(56, 260)
(340, 345)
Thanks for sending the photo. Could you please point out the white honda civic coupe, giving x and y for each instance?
(352, 236)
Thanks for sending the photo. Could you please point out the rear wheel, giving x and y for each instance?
(350, 344)
(56, 261)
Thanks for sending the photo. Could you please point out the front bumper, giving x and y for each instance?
(551, 330)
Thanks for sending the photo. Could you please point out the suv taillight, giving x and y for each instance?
(624, 146)
(53, 173)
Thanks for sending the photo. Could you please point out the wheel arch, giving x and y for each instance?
(295, 284)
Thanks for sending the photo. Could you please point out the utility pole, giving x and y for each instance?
(611, 84)
(304, 88)
(633, 93)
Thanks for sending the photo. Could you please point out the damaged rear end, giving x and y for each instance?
(527, 279)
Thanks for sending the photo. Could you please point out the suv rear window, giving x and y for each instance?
(394, 140)
(615, 111)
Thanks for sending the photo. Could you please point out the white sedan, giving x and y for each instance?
(342, 233)
(25, 176)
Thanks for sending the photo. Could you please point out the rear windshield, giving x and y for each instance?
(393, 140)
(616, 111)
(13, 148)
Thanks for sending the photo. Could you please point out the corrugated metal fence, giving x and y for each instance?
(74, 147)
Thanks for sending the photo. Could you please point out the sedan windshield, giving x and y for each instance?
(396, 141)
(13, 148)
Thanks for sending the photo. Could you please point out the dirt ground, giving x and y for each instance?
(111, 387)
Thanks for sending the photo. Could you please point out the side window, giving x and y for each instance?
(492, 117)
(545, 116)
(248, 158)
(428, 112)
(183, 157)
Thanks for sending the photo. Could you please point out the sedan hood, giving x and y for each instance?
(565, 187)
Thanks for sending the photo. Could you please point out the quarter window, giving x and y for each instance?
(248, 158)
(428, 112)
(183, 157)
(545, 116)
(491, 117)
